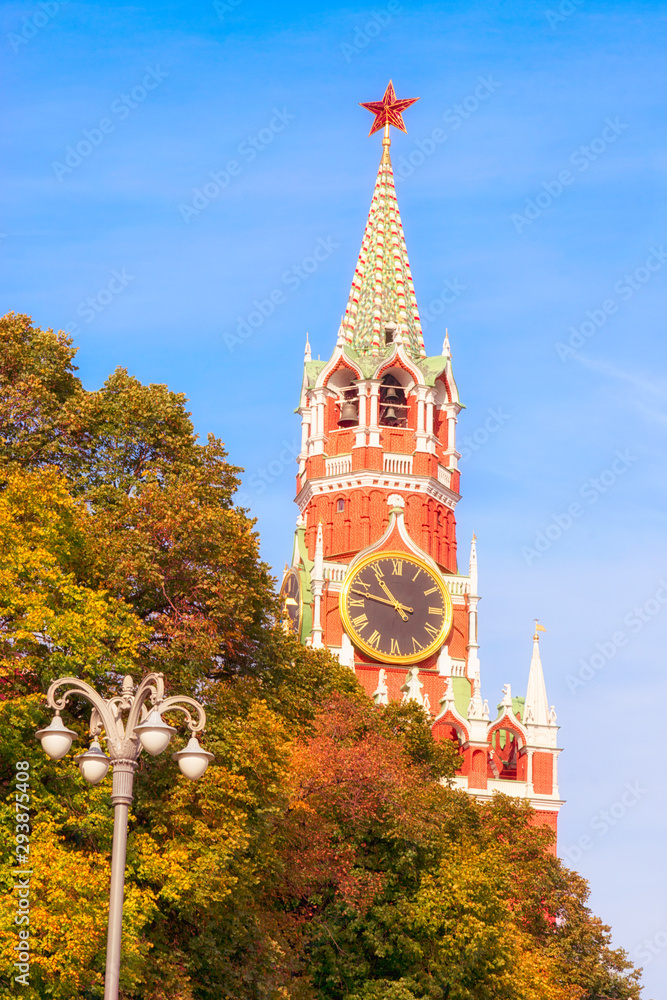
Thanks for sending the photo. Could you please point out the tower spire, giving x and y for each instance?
(446, 348)
(537, 705)
(382, 289)
(386, 143)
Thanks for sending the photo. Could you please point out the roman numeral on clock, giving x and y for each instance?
(398, 567)
(432, 631)
(357, 602)
(436, 611)
(432, 590)
(395, 649)
(374, 639)
(361, 621)
(416, 646)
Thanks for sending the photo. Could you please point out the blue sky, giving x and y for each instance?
(164, 94)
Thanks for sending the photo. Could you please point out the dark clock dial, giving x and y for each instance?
(290, 595)
(395, 608)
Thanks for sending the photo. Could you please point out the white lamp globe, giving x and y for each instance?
(194, 760)
(93, 764)
(56, 739)
(154, 733)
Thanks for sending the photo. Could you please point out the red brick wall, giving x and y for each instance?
(544, 817)
(543, 774)
(365, 520)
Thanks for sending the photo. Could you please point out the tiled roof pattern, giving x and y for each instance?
(382, 288)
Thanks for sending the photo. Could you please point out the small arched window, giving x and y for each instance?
(340, 506)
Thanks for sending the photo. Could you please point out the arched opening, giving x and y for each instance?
(349, 407)
(343, 382)
(393, 405)
(445, 731)
(506, 746)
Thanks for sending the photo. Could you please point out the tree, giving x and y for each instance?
(36, 379)
(324, 855)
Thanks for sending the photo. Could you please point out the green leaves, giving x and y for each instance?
(36, 379)
(323, 856)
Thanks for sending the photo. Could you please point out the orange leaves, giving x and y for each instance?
(321, 857)
(354, 792)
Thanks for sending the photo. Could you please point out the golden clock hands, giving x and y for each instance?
(397, 604)
(374, 597)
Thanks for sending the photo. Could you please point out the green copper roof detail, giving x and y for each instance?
(462, 689)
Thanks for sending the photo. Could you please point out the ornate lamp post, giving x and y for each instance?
(143, 727)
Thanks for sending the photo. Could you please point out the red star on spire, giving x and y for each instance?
(388, 110)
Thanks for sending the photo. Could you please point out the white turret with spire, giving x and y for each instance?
(446, 349)
(539, 719)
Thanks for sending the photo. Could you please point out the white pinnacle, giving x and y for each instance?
(472, 568)
(448, 700)
(381, 693)
(537, 705)
(318, 567)
(412, 688)
(476, 705)
(473, 645)
(446, 349)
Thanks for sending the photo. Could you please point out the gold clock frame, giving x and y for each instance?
(293, 571)
(447, 620)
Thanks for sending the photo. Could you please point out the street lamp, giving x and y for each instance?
(143, 728)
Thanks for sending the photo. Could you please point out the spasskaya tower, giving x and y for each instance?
(374, 572)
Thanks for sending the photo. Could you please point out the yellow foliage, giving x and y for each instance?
(53, 623)
(68, 917)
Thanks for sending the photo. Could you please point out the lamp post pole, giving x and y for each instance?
(143, 728)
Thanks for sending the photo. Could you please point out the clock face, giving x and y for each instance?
(290, 595)
(396, 608)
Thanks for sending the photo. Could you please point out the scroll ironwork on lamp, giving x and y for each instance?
(143, 728)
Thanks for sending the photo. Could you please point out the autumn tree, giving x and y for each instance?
(324, 855)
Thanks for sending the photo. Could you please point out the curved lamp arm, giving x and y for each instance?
(152, 686)
(75, 687)
(179, 704)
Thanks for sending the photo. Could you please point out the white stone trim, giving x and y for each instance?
(335, 572)
(444, 476)
(398, 464)
(426, 485)
(517, 789)
(339, 465)
(458, 667)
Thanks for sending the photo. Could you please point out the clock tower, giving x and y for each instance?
(374, 574)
